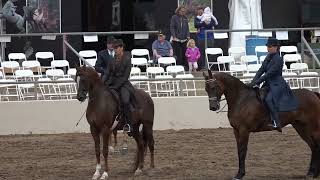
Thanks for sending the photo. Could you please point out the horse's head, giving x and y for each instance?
(214, 89)
(85, 77)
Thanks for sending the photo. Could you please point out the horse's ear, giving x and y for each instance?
(210, 73)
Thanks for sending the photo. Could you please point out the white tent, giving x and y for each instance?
(244, 14)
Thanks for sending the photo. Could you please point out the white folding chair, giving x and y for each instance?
(141, 52)
(25, 90)
(237, 52)
(17, 56)
(212, 51)
(10, 66)
(166, 61)
(238, 69)
(288, 49)
(54, 73)
(261, 50)
(292, 58)
(88, 54)
(225, 60)
(32, 65)
(178, 69)
(253, 67)
(249, 59)
(139, 62)
(44, 55)
(299, 67)
(60, 64)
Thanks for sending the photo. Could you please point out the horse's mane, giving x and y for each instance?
(229, 80)
(91, 73)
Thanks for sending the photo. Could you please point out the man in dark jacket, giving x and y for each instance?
(104, 56)
(279, 97)
(116, 78)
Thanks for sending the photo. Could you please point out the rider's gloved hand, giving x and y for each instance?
(251, 84)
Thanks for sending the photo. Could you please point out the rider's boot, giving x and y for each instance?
(275, 121)
(128, 120)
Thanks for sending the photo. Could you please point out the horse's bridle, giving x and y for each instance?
(215, 98)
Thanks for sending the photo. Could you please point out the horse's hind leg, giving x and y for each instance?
(314, 167)
(106, 134)
(149, 141)
(96, 138)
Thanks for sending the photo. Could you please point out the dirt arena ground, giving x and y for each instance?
(186, 154)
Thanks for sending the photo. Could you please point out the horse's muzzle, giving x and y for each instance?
(214, 105)
(81, 97)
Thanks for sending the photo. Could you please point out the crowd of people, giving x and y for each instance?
(188, 52)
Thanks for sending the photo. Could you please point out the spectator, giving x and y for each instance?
(104, 56)
(207, 16)
(180, 34)
(202, 26)
(192, 54)
(161, 47)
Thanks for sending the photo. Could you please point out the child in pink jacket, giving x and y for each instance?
(193, 55)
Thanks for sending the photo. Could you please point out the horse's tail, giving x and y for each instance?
(318, 94)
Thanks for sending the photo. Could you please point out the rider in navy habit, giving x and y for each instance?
(116, 77)
(279, 96)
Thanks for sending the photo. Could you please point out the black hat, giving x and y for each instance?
(118, 43)
(110, 39)
(160, 33)
(273, 42)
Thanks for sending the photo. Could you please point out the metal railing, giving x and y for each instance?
(66, 34)
(252, 31)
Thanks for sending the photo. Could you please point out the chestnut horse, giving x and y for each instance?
(102, 110)
(247, 114)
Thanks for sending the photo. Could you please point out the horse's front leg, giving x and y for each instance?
(96, 137)
(242, 137)
(106, 135)
(140, 153)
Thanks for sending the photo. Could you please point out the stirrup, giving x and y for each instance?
(126, 128)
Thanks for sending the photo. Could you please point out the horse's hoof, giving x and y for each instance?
(138, 172)
(104, 176)
(236, 178)
(95, 176)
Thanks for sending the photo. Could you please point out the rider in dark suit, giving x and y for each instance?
(279, 96)
(104, 56)
(116, 78)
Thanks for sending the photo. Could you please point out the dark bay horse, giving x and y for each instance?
(102, 111)
(246, 114)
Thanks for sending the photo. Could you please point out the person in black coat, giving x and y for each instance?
(116, 78)
(104, 56)
(279, 96)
